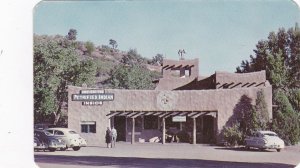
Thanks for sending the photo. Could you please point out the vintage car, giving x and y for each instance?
(44, 141)
(264, 140)
(42, 126)
(72, 139)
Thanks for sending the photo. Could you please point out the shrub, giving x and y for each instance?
(232, 135)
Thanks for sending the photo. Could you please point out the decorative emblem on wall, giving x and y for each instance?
(166, 100)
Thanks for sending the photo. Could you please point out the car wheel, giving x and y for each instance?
(76, 148)
(52, 149)
(247, 148)
(278, 150)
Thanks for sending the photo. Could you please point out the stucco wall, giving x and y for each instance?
(223, 101)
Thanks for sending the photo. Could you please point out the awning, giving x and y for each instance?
(161, 114)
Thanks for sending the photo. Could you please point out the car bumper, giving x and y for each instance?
(57, 146)
(273, 146)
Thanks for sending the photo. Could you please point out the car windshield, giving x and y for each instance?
(269, 134)
(72, 132)
(47, 133)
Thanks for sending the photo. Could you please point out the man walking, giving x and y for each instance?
(113, 137)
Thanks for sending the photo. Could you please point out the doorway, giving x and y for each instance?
(208, 129)
(120, 126)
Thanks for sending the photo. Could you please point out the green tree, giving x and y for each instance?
(261, 111)
(278, 75)
(113, 43)
(55, 67)
(157, 59)
(286, 120)
(279, 55)
(90, 47)
(131, 77)
(133, 57)
(72, 34)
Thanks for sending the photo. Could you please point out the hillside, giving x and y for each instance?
(108, 58)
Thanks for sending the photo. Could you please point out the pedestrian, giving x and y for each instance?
(108, 137)
(113, 137)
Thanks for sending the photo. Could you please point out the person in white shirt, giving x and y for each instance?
(113, 137)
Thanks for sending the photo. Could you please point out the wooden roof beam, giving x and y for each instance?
(170, 67)
(199, 114)
(260, 84)
(245, 84)
(253, 83)
(224, 84)
(236, 85)
(138, 114)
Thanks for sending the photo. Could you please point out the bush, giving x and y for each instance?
(232, 135)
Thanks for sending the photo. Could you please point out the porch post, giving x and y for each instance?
(163, 131)
(194, 130)
(132, 131)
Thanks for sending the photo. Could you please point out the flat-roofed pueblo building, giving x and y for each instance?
(184, 104)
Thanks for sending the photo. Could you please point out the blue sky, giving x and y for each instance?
(220, 33)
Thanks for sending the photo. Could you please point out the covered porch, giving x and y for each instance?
(165, 126)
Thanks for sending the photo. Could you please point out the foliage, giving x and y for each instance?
(157, 59)
(103, 67)
(261, 115)
(72, 34)
(279, 55)
(247, 119)
(246, 116)
(113, 43)
(90, 47)
(131, 77)
(56, 65)
(286, 120)
(133, 57)
(232, 135)
(277, 71)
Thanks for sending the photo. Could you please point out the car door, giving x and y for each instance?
(61, 135)
(257, 139)
(251, 141)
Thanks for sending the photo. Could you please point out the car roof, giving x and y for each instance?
(60, 129)
(266, 132)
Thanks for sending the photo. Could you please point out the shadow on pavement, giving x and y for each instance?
(148, 162)
(244, 149)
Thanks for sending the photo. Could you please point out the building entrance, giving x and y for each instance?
(208, 129)
(120, 126)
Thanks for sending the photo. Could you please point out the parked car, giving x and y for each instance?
(43, 126)
(44, 141)
(72, 139)
(264, 140)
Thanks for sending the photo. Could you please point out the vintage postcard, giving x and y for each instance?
(182, 83)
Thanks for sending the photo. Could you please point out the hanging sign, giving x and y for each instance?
(179, 119)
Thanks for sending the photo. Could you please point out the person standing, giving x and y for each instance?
(113, 137)
(108, 137)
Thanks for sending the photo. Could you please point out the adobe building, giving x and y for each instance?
(184, 107)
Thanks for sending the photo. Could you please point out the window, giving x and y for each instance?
(150, 122)
(56, 132)
(51, 131)
(88, 126)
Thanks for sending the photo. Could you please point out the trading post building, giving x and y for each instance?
(184, 107)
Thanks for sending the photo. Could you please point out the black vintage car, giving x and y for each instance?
(43, 140)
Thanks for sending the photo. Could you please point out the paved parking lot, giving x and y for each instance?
(168, 155)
